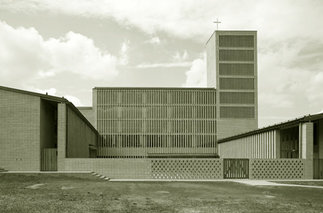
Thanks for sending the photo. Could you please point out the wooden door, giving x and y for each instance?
(49, 159)
(318, 168)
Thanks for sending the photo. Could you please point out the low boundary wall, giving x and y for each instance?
(187, 168)
(112, 167)
(183, 168)
(277, 169)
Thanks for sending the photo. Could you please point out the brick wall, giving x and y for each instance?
(231, 127)
(61, 136)
(211, 61)
(88, 113)
(19, 131)
(149, 168)
(113, 168)
(159, 168)
(236, 77)
(79, 136)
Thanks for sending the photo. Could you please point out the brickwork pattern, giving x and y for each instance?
(88, 113)
(236, 77)
(61, 136)
(230, 127)
(149, 168)
(112, 168)
(277, 168)
(79, 136)
(19, 131)
(186, 169)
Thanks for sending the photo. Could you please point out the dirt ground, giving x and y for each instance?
(311, 183)
(86, 193)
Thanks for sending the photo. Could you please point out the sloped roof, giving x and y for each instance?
(43, 96)
(296, 121)
(51, 98)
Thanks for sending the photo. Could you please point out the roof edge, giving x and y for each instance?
(44, 96)
(157, 88)
(306, 118)
(51, 98)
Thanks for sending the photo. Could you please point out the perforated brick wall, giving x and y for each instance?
(149, 168)
(184, 168)
(187, 169)
(277, 168)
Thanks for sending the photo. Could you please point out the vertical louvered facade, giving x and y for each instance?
(143, 122)
(232, 69)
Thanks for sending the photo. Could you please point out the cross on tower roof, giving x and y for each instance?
(217, 23)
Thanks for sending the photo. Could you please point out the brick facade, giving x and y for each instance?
(19, 131)
(79, 136)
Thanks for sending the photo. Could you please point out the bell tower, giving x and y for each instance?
(232, 70)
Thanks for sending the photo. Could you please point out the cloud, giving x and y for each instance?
(78, 54)
(25, 54)
(191, 18)
(53, 91)
(196, 75)
(180, 57)
(154, 40)
(124, 59)
(164, 65)
(50, 91)
(290, 41)
(74, 100)
(289, 79)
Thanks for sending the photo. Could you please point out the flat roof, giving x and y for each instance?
(231, 32)
(84, 107)
(156, 88)
(289, 123)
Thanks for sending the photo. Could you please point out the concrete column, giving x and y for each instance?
(307, 148)
(94, 108)
(277, 142)
(307, 140)
(250, 168)
(320, 139)
(300, 132)
(61, 136)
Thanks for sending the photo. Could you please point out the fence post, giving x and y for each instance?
(222, 171)
(250, 168)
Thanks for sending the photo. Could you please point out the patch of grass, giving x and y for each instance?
(85, 193)
(310, 183)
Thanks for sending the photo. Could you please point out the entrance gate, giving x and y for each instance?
(49, 159)
(318, 168)
(235, 168)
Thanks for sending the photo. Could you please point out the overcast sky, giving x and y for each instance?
(66, 48)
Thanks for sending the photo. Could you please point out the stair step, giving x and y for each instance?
(100, 176)
(3, 170)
